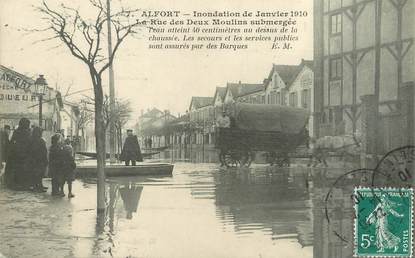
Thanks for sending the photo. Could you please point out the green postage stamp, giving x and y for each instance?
(384, 222)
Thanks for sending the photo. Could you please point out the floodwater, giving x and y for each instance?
(201, 211)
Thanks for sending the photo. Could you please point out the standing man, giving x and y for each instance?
(223, 121)
(131, 149)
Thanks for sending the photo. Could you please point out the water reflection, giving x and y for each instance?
(275, 203)
(130, 195)
(334, 211)
(203, 210)
(257, 211)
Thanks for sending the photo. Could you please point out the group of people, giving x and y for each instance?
(27, 160)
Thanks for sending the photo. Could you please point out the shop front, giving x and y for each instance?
(18, 99)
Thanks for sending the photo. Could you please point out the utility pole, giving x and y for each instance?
(111, 88)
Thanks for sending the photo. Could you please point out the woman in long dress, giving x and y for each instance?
(379, 216)
(17, 168)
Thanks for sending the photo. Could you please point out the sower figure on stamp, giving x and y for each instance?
(384, 237)
(131, 149)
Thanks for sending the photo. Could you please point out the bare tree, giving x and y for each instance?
(123, 113)
(84, 38)
(83, 119)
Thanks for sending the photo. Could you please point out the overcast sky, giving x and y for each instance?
(149, 78)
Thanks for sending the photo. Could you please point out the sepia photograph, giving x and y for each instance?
(190, 128)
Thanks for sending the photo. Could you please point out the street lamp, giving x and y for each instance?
(40, 90)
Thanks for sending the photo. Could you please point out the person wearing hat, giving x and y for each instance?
(17, 171)
(131, 149)
(223, 121)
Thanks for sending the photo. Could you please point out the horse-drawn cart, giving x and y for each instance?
(276, 130)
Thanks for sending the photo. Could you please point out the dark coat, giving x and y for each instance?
(39, 153)
(61, 163)
(4, 146)
(131, 149)
(55, 160)
(38, 159)
(17, 166)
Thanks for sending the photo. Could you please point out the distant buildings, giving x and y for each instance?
(285, 85)
(153, 125)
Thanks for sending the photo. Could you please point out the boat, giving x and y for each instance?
(156, 148)
(141, 169)
(94, 154)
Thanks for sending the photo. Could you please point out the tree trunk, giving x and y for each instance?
(100, 140)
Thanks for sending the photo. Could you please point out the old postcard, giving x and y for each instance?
(217, 128)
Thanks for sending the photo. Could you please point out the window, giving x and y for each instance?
(305, 98)
(336, 68)
(293, 99)
(283, 98)
(330, 115)
(272, 98)
(336, 23)
(278, 98)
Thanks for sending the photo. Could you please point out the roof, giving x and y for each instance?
(242, 89)
(308, 63)
(221, 92)
(16, 73)
(288, 73)
(199, 102)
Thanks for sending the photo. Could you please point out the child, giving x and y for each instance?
(68, 167)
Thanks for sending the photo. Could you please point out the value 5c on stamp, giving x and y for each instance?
(383, 222)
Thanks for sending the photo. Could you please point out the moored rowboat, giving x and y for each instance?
(141, 169)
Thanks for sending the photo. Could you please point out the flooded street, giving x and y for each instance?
(201, 211)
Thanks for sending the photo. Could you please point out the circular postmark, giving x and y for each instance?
(396, 170)
(340, 202)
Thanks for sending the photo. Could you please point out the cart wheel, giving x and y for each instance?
(246, 158)
(231, 158)
(282, 161)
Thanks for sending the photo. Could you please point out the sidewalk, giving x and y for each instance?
(39, 225)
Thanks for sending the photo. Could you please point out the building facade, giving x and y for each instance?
(18, 100)
(301, 92)
(363, 55)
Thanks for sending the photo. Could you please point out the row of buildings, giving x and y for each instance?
(290, 85)
(360, 81)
